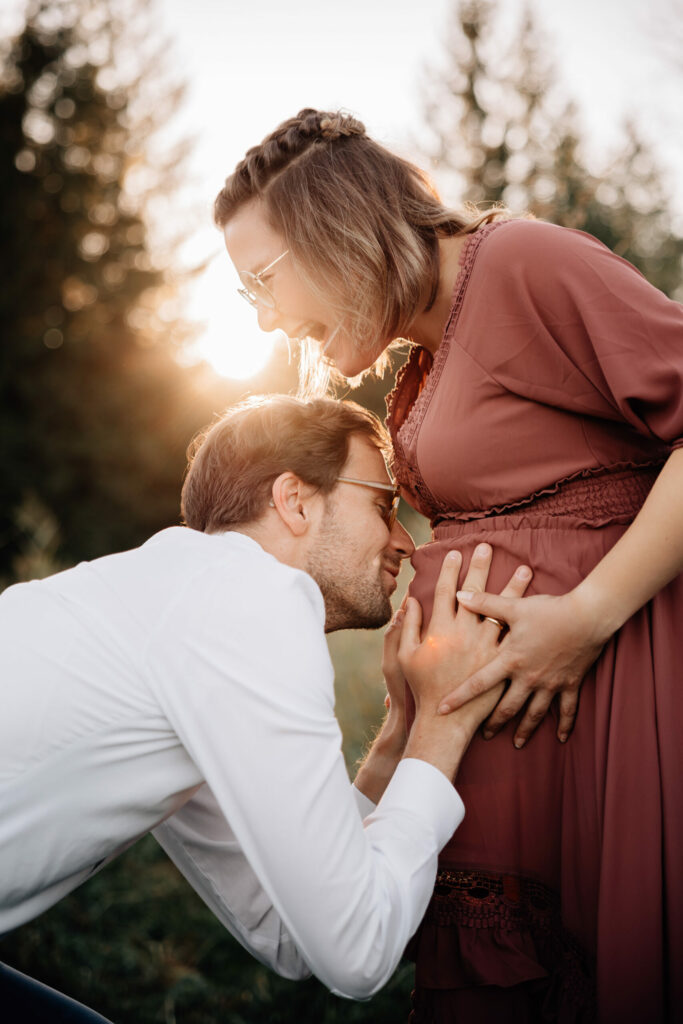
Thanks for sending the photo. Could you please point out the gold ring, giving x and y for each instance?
(496, 622)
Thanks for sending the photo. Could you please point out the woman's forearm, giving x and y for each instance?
(647, 557)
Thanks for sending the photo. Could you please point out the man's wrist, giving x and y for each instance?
(441, 740)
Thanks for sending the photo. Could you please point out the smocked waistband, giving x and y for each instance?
(610, 496)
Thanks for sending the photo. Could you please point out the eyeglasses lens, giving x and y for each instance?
(255, 291)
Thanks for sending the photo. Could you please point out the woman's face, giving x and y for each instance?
(252, 245)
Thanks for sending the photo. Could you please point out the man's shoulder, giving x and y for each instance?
(234, 569)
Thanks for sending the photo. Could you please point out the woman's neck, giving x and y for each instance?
(428, 328)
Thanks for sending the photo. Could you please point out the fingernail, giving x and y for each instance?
(488, 735)
(442, 709)
(465, 595)
(452, 556)
(482, 549)
(523, 573)
(519, 744)
(563, 737)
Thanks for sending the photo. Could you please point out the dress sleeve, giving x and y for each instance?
(251, 699)
(582, 329)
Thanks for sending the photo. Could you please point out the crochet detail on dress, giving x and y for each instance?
(503, 904)
(416, 381)
(468, 254)
(478, 899)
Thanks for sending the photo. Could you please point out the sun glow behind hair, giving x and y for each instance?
(228, 335)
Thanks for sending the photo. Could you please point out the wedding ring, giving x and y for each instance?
(496, 622)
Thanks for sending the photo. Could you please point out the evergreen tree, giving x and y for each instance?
(500, 131)
(95, 410)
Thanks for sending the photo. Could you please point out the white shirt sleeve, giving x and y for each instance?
(363, 803)
(251, 698)
(203, 847)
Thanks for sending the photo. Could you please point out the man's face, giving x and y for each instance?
(354, 557)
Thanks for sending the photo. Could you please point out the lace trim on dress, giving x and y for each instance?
(425, 380)
(503, 905)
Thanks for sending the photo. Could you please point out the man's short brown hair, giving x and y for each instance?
(232, 464)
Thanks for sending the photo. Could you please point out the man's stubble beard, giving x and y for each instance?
(352, 600)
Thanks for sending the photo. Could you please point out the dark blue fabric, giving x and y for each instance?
(25, 1001)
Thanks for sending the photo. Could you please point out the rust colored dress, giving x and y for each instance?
(540, 426)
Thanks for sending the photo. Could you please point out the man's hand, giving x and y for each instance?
(387, 749)
(455, 645)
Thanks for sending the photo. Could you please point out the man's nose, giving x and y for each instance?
(401, 541)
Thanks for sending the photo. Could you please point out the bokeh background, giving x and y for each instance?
(122, 335)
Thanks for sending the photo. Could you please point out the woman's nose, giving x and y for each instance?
(267, 317)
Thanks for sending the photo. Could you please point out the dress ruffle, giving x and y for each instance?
(482, 930)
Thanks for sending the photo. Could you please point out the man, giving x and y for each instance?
(186, 687)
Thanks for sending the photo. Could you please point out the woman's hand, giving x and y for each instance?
(551, 644)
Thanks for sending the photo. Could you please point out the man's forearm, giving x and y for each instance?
(443, 739)
(381, 760)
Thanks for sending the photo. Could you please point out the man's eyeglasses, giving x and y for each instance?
(255, 292)
(392, 511)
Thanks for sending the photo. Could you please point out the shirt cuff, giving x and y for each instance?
(363, 803)
(419, 787)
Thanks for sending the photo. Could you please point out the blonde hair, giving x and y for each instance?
(362, 224)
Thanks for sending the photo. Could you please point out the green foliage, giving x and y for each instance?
(95, 409)
(500, 131)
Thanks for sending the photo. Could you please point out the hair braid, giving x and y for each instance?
(287, 143)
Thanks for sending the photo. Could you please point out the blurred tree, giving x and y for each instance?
(95, 410)
(499, 131)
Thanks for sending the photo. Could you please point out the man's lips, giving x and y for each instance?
(393, 571)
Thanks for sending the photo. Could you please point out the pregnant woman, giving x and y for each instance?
(540, 410)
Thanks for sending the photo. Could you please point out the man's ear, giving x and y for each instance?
(292, 499)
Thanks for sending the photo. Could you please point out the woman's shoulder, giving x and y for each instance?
(519, 239)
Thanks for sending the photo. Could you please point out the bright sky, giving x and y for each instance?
(250, 65)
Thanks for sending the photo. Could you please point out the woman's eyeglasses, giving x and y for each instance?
(255, 292)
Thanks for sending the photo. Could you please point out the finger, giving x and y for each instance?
(518, 582)
(569, 702)
(495, 605)
(507, 708)
(444, 593)
(410, 631)
(482, 681)
(392, 637)
(387, 702)
(534, 715)
(478, 569)
(515, 587)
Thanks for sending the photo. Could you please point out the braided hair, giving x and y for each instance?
(362, 225)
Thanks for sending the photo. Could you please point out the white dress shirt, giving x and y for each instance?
(186, 687)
